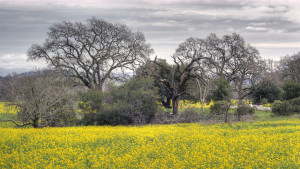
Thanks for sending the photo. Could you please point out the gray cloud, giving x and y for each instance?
(271, 26)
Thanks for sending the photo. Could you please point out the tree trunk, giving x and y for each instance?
(167, 104)
(100, 86)
(36, 123)
(238, 110)
(202, 105)
(175, 103)
(226, 114)
(226, 117)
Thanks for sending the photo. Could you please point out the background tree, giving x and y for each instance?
(290, 68)
(221, 93)
(187, 58)
(247, 75)
(2, 88)
(291, 90)
(162, 69)
(42, 99)
(92, 52)
(224, 54)
(265, 89)
(221, 90)
(201, 90)
(236, 61)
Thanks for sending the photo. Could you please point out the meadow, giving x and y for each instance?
(240, 145)
(261, 144)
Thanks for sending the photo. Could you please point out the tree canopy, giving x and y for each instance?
(93, 51)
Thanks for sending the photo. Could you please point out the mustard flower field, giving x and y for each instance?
(273, 144)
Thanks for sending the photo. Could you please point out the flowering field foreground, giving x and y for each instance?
(241, 145)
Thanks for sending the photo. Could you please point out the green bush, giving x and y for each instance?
(115, 114)
(90, 101)
(133, 102)
(245, 109)
(265, 91)
(219, 107)
(291, 90)
(189, 115)
(222, 91)
(264, 101)
(89, 119)
(91, 105)
(282, 108)
(296, 104)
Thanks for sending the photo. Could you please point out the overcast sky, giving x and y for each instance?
(273, 27)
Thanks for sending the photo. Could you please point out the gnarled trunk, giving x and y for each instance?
(167, 104)
(175, 103)
(35, 123)
(238, 112)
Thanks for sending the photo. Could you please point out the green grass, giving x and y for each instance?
(6, 114)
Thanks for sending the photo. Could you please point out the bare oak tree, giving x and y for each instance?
(247, 75)
(289, 68)
(226, 54)
(92, 52)
(41, 99)
(236, 61)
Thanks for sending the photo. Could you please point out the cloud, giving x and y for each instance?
(10, 61)
(278, 45)
(165, 23)
(257, 29)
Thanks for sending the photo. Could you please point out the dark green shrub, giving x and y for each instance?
(282, 108)
(90, 101)
(291, 90)
(222, 91)
(265, 91)
(133, 102)
(91, 105)
(219, 108)
(296, 104)
(89, 119)
(245, 109)
(138, 97)
(114, 114)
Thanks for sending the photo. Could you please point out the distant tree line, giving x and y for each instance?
(101, 73)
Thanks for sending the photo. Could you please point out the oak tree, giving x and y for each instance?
(92, 52)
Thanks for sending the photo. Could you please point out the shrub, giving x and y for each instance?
(282, 108)
(138, 98)
(291, 90)
(133, 102)
(90, 101)
(245, 110)
(265, 91)
(296, 104)
(91, 105)
(114, 114)
(222, 90)
(88, 119)
(264, 101)
(189, 115)
(219, 108)
(164, 118)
